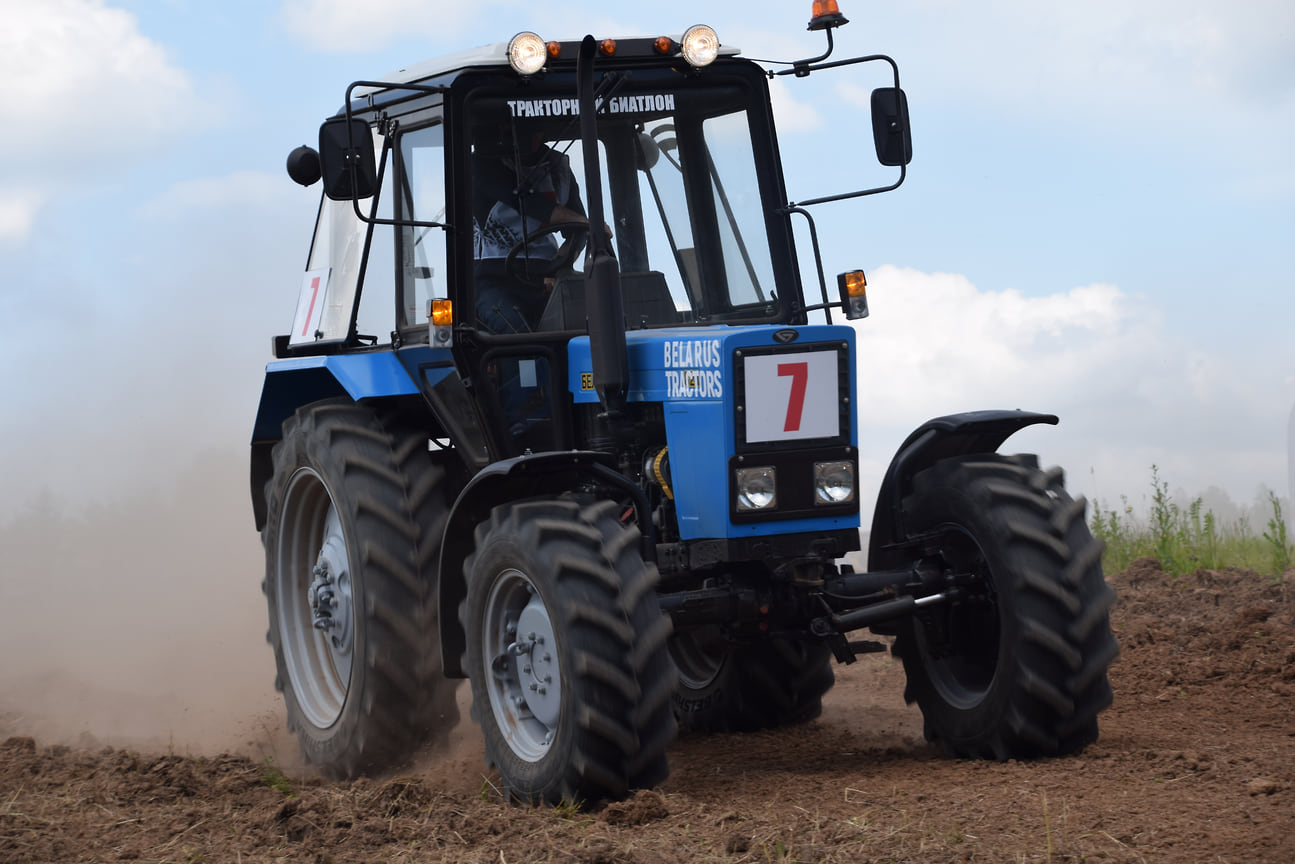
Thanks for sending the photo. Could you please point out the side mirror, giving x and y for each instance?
(346, 159)
(890, 132)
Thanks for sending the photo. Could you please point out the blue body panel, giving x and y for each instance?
(295, 381)
(690, 372)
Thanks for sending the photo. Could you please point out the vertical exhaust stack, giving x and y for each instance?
(603, 302)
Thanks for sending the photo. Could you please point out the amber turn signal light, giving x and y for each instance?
(853, 288)
(442, 313)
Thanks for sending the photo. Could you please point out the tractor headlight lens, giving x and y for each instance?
(700, 45)
(756, 489)
(527, 53)
(833, 482)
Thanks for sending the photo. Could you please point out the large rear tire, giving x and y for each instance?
(571, 679)
(728, 687)
(356, 509)
(1017, 667)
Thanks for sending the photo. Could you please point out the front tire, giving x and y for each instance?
(1017, 667)
(571, 680)
(729, 687)
(356, 509)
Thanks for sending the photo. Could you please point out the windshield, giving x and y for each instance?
(683, 204)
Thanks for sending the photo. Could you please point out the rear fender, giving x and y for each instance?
(940, 438)
(293, 382)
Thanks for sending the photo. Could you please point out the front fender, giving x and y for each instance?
(940, 438)
(498, 483)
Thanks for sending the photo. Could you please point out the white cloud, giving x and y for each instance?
(17, 211)
(1128, 393)
(1152, 54)
(790, 114)
(344, 26)
(83, 82)
(239, 189)
(941, 330)
(85, 90)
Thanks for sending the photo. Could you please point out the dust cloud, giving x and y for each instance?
(139, 621)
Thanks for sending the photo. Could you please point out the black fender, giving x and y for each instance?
(507, 480)
(940, 438)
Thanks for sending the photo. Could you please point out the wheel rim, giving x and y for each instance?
(314, 592)
(962, 664)
(699, 656)
(523, 675)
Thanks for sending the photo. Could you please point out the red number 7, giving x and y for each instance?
(799, 373)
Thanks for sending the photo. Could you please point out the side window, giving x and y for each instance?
(422, 249)
(335, 257)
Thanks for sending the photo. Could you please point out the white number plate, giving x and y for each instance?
(792, 396)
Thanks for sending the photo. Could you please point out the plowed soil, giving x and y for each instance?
(1196, 762)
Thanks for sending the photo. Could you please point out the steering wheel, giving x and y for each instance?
(533, 271)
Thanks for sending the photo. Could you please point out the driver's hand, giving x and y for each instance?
(562, 213)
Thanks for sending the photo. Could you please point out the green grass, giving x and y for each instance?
(272, 775)
(1185, 539)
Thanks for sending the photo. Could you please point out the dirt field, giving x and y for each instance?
(1196, 763)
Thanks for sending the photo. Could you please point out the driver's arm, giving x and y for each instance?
(494, 182)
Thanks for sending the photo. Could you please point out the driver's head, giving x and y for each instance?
(504, 140)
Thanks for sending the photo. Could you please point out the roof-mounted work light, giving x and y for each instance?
(700, 45)
(527, 53)
(825, 15)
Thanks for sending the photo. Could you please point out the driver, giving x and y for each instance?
(521, 186)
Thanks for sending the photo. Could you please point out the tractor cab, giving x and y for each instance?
(458, 197)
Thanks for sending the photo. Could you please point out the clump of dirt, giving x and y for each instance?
(1228, 626)
(1196, 762)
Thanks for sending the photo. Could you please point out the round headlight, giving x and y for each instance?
(700, 45)
(756, 489)
(527, 53)
(833, 482)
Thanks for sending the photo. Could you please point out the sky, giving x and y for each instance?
(1098, 222)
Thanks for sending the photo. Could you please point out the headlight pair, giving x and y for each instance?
(757, 487)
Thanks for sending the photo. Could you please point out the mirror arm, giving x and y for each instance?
(903, 172)
(802, 71)
(801, 68)
(372, 219)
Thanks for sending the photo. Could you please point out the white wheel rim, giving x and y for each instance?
(523, 676)
(312, 562)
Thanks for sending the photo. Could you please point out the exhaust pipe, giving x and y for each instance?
(604, 305)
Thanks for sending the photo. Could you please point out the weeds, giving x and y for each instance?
(272, 775)
(1279, 545)
(568, 809)
(1187, 539)
(1164, 524)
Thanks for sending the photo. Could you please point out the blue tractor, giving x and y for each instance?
(555, 415)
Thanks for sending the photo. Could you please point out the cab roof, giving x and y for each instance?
(493, 56)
